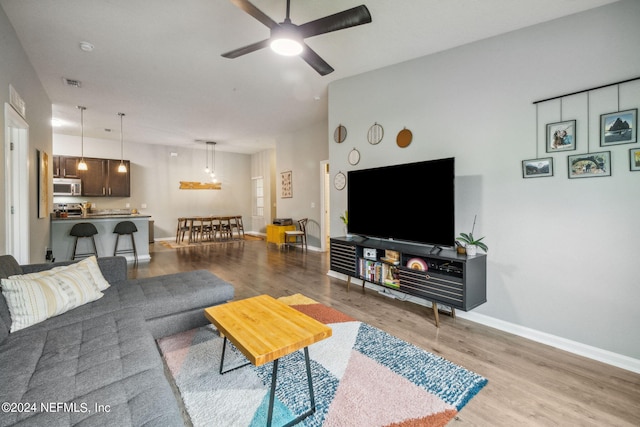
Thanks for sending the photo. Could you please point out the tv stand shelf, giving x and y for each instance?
(447, 278)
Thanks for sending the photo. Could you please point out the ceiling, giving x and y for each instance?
(158, 61)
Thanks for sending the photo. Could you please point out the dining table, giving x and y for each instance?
(208, 228)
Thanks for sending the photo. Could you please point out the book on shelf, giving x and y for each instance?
(392, 257)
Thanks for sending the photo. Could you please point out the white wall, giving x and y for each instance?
(16, 70)
(301, 152)
(156, 176)
(562, 253)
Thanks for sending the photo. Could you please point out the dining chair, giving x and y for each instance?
(183, 227)
(236, 223)
(299, 236)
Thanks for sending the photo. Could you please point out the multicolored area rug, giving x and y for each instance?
(362, 376)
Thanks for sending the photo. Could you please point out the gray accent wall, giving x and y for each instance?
(563, 252)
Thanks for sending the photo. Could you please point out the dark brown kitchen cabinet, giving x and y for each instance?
(103, 179)
(65, 166)
(119, 183)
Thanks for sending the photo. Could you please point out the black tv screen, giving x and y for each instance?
(412, 202)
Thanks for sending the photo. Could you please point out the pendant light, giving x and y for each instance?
(206, 147)
(82, 166)
(213, 165)
(122, 168)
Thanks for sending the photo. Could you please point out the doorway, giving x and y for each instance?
(325, 229)
(16, 187)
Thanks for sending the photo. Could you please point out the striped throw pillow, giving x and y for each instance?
(75, 280)
(32, 301)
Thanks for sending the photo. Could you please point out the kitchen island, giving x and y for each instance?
(62, 242)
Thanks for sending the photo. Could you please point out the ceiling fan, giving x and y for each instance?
(287, 38)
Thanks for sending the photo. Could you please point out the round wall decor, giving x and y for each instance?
(375, 134)
(340, 134)
(354, 157)
(339, 181)
(404, 138)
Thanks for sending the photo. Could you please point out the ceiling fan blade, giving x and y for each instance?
(349, 18)
(246, 49)
(255, 12)
(317, 63)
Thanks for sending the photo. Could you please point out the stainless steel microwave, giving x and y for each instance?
(67, 187)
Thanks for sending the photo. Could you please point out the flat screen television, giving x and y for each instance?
(411, 202)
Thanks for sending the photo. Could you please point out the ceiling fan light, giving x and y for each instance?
(286, 46)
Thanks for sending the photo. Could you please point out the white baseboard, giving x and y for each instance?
(595, 353)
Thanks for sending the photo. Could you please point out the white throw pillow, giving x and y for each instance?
(94, 269)
(31, 301)
(75, 281)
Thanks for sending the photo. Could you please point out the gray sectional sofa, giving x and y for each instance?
(98, 364)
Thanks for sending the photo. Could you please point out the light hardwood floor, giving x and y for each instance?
(529, 383)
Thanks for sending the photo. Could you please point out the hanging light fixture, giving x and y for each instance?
(122, 168)
(213, 164)
(206, 147)
(82, 166)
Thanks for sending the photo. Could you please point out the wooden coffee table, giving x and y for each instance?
(264, 330)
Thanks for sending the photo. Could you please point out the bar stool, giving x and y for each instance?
(82, 230)
(124, 228)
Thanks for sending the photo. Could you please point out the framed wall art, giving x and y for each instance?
(43, 183)
(286, 185)
(634, 159)
(537, 168)
(618, 128)
(590, 165)
(561, 136)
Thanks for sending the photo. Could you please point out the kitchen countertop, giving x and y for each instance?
(97, 216)
(62, 243)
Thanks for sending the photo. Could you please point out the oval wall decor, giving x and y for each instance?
(404, 138)
(375, 134)
(340, 134)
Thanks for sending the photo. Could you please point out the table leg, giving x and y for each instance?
(224, 347)
(312, 399)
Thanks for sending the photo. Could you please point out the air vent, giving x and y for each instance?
(72, 82)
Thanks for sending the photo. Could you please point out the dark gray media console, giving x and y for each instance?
(440, 276)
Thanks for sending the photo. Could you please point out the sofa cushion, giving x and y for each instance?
(32, 301)
(109, 360)
(176, 293)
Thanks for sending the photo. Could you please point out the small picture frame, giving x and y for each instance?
(588, 165)
(537, 168)
(634, 159)
(561, 136)
(618, 128)
(286, 185)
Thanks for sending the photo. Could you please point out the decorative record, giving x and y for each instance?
(375, 134)
(404, 138)
(417, 264)
(340, 134)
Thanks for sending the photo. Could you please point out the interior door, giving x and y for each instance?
(16, 186)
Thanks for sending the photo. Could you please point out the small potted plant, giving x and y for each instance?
(471, 244)
(345, 219)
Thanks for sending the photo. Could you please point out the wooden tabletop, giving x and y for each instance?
(265, 329)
